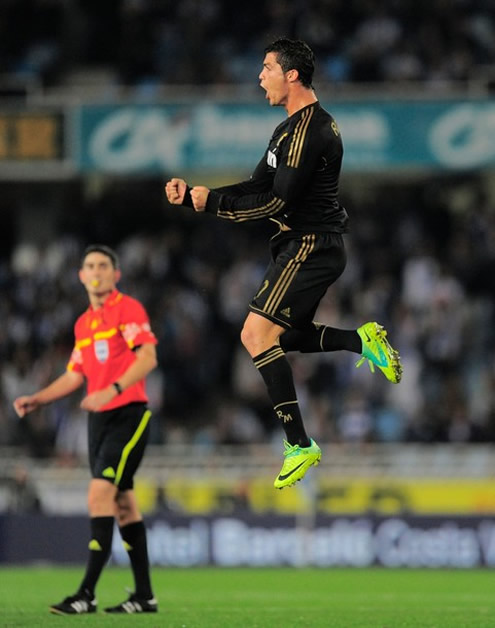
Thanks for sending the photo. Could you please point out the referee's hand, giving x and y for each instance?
(176, 190)
(98, 399)
(25, 404)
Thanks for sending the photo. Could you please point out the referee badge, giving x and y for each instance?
(102, 350)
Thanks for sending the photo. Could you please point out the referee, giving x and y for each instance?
(295, 185)
(114, 351)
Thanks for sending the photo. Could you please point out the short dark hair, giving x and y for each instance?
(294, 55)
(105, 250)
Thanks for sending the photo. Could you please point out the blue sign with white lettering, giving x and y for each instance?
(220, 137)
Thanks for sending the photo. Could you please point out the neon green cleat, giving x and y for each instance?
(378, 351)
(297, 461)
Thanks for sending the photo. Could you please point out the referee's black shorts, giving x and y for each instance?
(302, 267)
(116, 443)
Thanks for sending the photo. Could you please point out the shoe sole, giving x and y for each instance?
(126, 613)
(396, 366)
(392, 356)
(56, 611)
(291, 481)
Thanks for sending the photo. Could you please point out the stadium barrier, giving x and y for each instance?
(265, 541)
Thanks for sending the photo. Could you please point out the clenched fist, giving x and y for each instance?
(176, 190)
(199, 195)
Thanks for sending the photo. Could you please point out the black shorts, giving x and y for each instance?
(302, 268)
(116, 442)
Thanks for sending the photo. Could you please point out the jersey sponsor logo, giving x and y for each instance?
(102, 350)
(271, 159)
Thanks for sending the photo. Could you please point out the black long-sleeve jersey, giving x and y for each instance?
(296, 182)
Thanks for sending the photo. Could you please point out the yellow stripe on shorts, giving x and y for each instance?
(130, 445)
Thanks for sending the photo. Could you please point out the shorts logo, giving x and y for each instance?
(102, 350)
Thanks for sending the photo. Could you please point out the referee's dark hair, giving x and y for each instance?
(294, 54)
(101, 248)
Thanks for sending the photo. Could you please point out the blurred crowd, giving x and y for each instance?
(145, 43)
(421, 261)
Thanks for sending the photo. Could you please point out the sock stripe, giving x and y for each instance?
(286, 403)
(270, 356)
(276, 372)
(321, 337)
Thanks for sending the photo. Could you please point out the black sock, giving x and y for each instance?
(277, 375)
(134, 537)
(317, 338)
(100, 547)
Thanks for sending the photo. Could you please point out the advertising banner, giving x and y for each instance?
(266, 541)
(214, 137)
(326, 495)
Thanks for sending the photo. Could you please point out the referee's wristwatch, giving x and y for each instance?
(118, 388)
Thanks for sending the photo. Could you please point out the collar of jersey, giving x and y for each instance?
(113, 298)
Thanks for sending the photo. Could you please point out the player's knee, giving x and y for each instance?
(248, 337)
(98, 505)
(244, 336)
(101, 498)
(259, 336)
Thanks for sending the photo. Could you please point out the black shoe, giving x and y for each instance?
(81, 602)
(135, 605)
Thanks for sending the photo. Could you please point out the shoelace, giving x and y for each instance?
(370, 364)
(77, 596)
(289, 449)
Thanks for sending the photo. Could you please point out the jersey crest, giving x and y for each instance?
(102, 350)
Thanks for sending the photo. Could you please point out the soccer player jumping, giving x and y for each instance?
(296, 186)
(114, 351)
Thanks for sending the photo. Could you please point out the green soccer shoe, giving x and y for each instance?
(378, 351)
(297, 461)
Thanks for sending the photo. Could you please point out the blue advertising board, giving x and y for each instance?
(248, 540)
(215, 137)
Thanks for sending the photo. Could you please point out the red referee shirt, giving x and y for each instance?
(104, 339)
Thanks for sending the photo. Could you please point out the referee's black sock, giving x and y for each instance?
(319, 338)
(134, 537)
(277, 375)
(99, 551)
